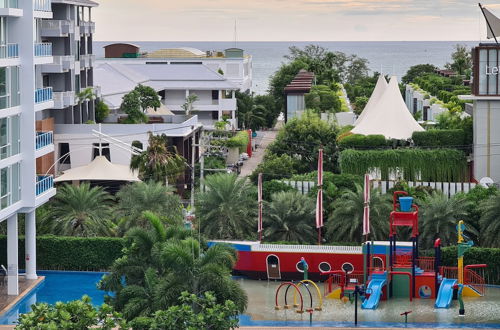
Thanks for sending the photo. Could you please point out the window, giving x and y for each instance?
(9, 136)
(300, 266)
(324, 267)
(347, 267)
(64, 155)
(104, 151)
(9, 185)
(215, 115)
(4, 95)
(4, 187)
(215, 95)
(378, 263)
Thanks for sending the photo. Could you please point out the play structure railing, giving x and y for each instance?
(473, 279)
(340, 279)
(426, 263)
(403, 260)
(449, 272)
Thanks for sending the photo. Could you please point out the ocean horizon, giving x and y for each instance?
(388, 57)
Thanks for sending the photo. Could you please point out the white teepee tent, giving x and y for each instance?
(389, 116)
(380, 88)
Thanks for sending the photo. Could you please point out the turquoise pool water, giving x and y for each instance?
(480, 312)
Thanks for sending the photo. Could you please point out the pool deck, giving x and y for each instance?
(25, 287)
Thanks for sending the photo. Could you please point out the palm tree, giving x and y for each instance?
(138, 197)
(188, 105)
(157, 162)
(254, 118)
(228, 207)
(439, 216)
(82, 211)
(159, 263)
(345, 224)
(490, 221)
(290, 217)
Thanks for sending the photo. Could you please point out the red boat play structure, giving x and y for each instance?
(384, 268)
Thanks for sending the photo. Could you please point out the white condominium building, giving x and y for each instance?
(25, 97)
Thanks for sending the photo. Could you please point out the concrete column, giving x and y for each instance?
(30, 245)
(12, 257)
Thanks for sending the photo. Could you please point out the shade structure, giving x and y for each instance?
(100, 169)
(377, 93)
(389, 116)
(492, 22)
(366, 211)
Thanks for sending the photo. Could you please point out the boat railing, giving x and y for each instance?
(308, 248)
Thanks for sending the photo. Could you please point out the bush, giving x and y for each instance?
(70, 253)
(101, 111)
(240, 140)
(358, 141)
(77, 314)
(275, 167)
(454, 138)
(272, 187)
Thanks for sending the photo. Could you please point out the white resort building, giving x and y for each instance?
(174, 83)
(25, 99)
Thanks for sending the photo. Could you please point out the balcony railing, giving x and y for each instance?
(44, 183)
(9, 51)
(43, 5)
(43, 95)
(60, 64)
(43, 139)
(9, 3)
(64, 99)
(43, 49)
(56, 28)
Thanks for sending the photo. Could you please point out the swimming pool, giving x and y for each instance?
(480, 312)
(58, 286)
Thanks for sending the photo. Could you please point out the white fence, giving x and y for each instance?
(307, 248)
(448, 188)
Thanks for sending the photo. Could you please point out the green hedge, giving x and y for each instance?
(454, 138)
(70, 253)
(359, 141)
(489, 256)
(440, 165)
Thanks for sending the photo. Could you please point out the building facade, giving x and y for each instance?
(25, 97)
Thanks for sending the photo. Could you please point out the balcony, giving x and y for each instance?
(43, 95)
(87, 61)
(9, 51)
(63, 100)
(61, 64)
(43, 139)
(10, 8)
(56, 28)
(87, 27)
(44, 183)
(43, 5)
(227, 104)
(43, 49)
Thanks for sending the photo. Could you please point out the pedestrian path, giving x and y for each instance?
(258, 155)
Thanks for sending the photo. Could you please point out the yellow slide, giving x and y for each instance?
(335, 294)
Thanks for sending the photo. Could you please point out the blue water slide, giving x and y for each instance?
(445, 293)
(375, 289)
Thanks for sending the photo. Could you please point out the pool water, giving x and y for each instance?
(479, 312)
(58, 286)
(483, 312)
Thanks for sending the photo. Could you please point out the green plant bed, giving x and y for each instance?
(359, 141)
(453, 138)
(440, 165)
(70, 253)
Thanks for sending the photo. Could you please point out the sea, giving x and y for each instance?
(388, 57)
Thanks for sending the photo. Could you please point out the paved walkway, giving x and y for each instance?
(322, 328)
(25, 287)
(267, 138)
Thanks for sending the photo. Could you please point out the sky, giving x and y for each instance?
(290, 20)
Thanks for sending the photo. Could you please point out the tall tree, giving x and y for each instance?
(290, 217)
(490, 222)
(82, 211)
(136, 198)
(462, 60)
(228, 207)
(159, 263)
(158, 163)
(439, 216)
(188, 105)
(345, 224)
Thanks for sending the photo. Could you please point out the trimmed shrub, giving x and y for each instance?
(70, 253)
(358, 141)
(454, 138)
